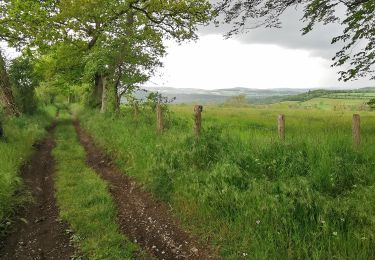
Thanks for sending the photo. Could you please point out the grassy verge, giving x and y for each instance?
(310, 197)
(84, 200)
(21, 133)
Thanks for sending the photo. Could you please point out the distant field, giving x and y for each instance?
(348, 104)
(349, 95)
(324, 103)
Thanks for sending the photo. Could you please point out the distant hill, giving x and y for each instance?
(187, 95)
(253, 96)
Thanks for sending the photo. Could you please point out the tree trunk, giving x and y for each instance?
(97, 94)
(117, 98)
(6, 95)
(1, 130)
(104, 100)
(109, 97)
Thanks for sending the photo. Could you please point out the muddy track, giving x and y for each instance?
(141, 218)
(38, 233)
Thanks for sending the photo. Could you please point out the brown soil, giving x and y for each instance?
(141, 218)
(38, 233)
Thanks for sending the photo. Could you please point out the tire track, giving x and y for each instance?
(141, 218)
(38, 233)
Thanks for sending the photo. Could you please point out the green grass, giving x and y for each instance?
(21, 133)
(84, 200)
(244, 191)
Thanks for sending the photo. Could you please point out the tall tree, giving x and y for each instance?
(6, 96)
(44, 23)
(358, 36)
(24, 81)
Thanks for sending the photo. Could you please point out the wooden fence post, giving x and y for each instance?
(198, 119)
(136, 111)
(281, 127)
(356, 130)
(159, 118)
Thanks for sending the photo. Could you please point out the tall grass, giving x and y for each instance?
(251, 195)
(21, 133)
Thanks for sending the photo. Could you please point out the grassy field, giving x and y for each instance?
(244, 191)
(21, 133)
(84, 200)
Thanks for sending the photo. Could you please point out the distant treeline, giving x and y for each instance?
(325, 93)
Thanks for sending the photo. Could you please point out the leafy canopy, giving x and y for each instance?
(78, 41)
(42, 23)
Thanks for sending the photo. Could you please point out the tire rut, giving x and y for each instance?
(141, 218)
(38, 232)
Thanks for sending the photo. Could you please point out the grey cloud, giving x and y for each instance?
(317, 42)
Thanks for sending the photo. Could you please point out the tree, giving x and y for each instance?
(97, 26)
(1, 126)
(239, 100)
(24, 81)
(6, 95)
(358, 36)
(61, 69)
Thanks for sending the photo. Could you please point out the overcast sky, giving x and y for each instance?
(262, 58)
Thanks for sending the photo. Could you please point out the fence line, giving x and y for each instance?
(198, 109)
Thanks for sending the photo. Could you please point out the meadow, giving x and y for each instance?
(20, 135)
(243, 190)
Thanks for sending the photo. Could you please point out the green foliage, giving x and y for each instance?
(24, 81)
(47, 94)
(242, 189)
(55, 18)
(21, 133)
(371, 103)
(92, 215)
(79, 42)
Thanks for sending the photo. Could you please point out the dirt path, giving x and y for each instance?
(140, 216)
(39, 234)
